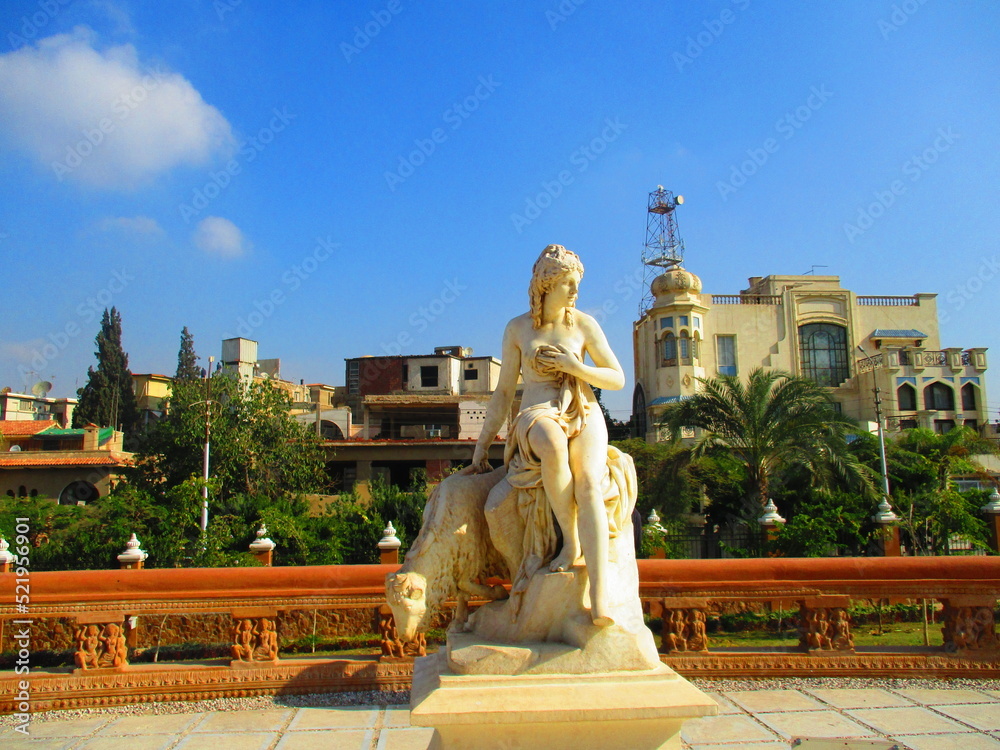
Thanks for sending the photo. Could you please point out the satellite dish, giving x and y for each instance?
(680, 200)
(15, 448)
(41, 388)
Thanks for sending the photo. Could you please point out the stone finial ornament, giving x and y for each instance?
(770, 517)
(132, 554)
(262, 544)
(389, 539)
(885, 513)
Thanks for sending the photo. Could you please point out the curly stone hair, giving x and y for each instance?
(554, 263)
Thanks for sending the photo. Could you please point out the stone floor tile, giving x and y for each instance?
(396, 716)
(360, 717)
(742, 744)
(984, 716)
(152, 724)
(342, 739)
(994, 693)
(726, 706)
(22, 743)
(417, 738)
(820, 724)
(129, 742)
(915, 720)
(773, 700)
(228, 741)
(941, 697)
(852, 698)
(949, 741)
(71, 728)
(267, 720)
(724, 728)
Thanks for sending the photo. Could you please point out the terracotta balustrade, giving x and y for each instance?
(103, 609)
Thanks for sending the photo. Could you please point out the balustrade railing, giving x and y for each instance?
(103, 613)
(889, 301)
(746, 299)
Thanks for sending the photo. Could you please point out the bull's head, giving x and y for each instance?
(405, 593)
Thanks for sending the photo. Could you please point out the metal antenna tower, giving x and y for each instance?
(664, 248)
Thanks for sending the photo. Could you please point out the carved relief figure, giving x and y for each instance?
(840, 637)
(557, 447)
(267, 641)
(113, 648)
(698, 638)
(243, 640)
(87, 643)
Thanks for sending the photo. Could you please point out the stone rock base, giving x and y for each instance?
(637, 710)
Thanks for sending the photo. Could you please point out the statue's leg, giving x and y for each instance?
(588, 458)
(549, 443)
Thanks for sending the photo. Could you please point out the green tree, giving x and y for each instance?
(108, 398)
(950, 453)
(258, 450)
(770, 423)
(187, 360)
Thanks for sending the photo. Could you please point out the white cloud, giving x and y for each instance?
(104, 118)
(22, 351)
(220, 237)
(135, 224)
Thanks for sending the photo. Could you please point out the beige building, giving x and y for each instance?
(33, 407)
(151, 390)
(811, 326)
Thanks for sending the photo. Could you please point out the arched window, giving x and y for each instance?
(330, 430)
(78, 492)
(969, 397)
(669, 349)
(906, 396)
(824, 353)
(639, 412)
(685, 347)
(939, 397)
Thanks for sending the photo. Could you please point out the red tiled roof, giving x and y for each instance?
(23, 427)
(40, 460)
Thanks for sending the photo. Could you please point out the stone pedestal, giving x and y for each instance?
(640, 710)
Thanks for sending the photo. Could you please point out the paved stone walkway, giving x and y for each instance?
(918, 719)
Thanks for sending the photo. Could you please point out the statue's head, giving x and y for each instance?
(405, 594)
(554, 263)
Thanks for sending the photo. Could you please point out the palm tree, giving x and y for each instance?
(773, 421)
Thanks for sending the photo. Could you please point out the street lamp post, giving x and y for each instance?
(208, 440)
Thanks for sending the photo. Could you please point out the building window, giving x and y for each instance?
(685, 347)
(472, 374)
(697, 323)
(429, 376)
(824, 353)
(907, 424)
(941, 426)
(353, 377)
(682, 320)
(973, 423)
(639, 412)
(906, 397)
(969, 397)
(939, 397)
(667, 322)
(669, 350)
(725, 351)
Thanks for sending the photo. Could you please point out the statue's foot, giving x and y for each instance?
(603, 621)
(564, 561)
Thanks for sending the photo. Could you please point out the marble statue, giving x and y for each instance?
(555, 519)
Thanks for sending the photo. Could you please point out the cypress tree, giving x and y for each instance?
(108, 398)
(187, 360)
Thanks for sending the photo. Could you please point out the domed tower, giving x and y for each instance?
(668, 337)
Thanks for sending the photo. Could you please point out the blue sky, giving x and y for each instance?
(333, 178)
